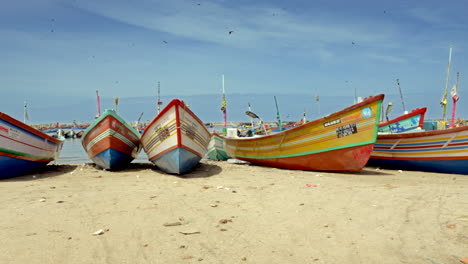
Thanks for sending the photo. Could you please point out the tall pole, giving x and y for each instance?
(159, 98)
(116, 101)
(444, 98)
(401, 96)
(317, 99)
(26, 116)
(455, 99)
(223, 108)
(278, 116)
(98, 104)
(251, 119)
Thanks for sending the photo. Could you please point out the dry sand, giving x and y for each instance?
(230, 213)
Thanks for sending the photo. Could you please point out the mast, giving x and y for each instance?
(401, 96)
(317, 99)
(116, 101)
(251, 119)
(159, 98)
(26, 116)
(444, 98)
(98, 104)
(223, 108)
(278, 116)
(455, 99)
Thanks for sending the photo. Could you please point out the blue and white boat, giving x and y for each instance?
(23, 148)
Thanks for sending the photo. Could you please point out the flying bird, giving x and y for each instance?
(165, 41)
(230, 32)
(352, 43)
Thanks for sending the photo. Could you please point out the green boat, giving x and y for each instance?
(216, 149)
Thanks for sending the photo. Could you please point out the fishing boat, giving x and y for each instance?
(23, 148)
(216, 149)
(409, 122)
(341, 141)
(69, 134)
(176, 139)
(443, 150)
(110, 142)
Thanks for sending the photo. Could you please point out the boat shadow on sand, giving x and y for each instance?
(48, 171)
(202, 170)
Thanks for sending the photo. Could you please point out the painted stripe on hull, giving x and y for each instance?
(445, 166)
(111, 159)
(177, 161)
(335, 160)
(175, 127)
(439, 151)
(12, 167)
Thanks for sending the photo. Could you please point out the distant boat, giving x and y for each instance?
(409, 122)
(436, 151)
(341, 141)
(176, 139)
(111, 143)
(23, 148)
(216, 149)
(69, 134)
(79, 134)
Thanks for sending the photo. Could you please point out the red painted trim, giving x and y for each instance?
(415, 112)
(22, 125)
(172, 148)
(162, 153)
(178, 127)
(422, 133)
(174, 102)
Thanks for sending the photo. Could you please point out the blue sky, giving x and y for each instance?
(59, 50)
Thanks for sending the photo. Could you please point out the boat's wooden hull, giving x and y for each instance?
(216, 149)
(406, 123)
(23, 148)
(176, 139)
(341, 141)
(110, 142)
(436, 151)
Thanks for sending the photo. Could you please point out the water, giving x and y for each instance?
(74, 153)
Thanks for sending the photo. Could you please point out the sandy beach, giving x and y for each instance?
(231, 213)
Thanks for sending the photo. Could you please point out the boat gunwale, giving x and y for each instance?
(28, 128)
(366, 101)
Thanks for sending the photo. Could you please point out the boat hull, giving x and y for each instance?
(110, 142)
(216, 149)
(341, 141)
(406, 123)
(176, 139)
(23, 148)
(434, 151)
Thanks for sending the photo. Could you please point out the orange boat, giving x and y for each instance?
(342, 141)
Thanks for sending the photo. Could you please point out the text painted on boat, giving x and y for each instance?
(331, 123)
(346, 130)
(163, 134)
